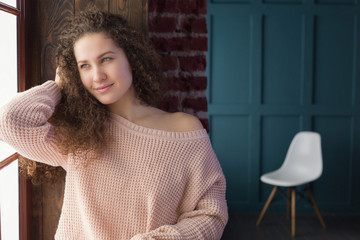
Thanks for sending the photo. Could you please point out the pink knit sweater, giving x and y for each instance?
(150, 184)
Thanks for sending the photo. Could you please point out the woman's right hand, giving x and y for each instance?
(57, 78)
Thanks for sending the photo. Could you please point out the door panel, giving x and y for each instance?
(234, 153)
(282, 43)
(334, 56)
(232, 86)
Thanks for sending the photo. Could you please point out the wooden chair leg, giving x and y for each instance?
(267, 204)
(293, 208)
(317, 211)
(288, 203)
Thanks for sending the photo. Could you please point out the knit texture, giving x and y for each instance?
(149, 183)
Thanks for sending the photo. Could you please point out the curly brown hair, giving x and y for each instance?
(80, 120)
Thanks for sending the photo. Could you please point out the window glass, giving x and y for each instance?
(9, 199)
(9, 2)
(8, 66)
(9, 183)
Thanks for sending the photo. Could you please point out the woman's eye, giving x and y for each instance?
(106, 59)
(84, 65)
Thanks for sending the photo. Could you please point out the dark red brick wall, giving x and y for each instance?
(178, 31)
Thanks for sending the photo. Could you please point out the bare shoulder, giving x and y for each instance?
(174, 122)
(184, 122)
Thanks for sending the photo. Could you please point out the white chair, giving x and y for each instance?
(302, 165)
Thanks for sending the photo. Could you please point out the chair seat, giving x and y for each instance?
(286, 178)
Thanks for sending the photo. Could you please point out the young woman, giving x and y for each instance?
(133, 171)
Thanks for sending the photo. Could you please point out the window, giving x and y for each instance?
(12, 72)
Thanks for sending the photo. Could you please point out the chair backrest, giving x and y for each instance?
(304, 155)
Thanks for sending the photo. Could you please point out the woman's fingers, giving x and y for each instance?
(57, 77)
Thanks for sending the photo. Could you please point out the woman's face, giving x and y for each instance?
(104, 68)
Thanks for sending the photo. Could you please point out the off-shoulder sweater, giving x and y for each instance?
(149, 183)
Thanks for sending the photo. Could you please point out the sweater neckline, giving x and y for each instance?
(156, 132)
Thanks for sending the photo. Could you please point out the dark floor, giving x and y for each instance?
(277, 227)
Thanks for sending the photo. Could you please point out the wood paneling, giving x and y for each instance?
(287, 66)
(46, 20)
(82, 4)
(135, 11)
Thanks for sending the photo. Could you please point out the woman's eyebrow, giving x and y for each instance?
(100, 56)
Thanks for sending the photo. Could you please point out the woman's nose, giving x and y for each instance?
(99, 74)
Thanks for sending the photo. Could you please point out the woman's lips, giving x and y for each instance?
(104, 88)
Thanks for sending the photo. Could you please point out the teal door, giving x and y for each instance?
(276, 67)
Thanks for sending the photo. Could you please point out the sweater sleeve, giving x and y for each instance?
(205, 214)
(24, 123)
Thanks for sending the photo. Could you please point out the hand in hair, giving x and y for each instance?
(57, 78)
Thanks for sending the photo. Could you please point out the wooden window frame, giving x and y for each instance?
(24, 186)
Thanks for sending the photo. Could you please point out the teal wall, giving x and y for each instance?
(276, 67)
